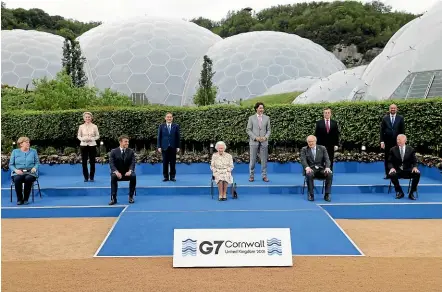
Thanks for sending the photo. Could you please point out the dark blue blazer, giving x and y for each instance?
(166, 139)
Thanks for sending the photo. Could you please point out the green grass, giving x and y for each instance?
(282, 98)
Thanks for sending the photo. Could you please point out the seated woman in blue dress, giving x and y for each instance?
(24, 164)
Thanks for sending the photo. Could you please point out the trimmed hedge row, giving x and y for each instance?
(359, 122)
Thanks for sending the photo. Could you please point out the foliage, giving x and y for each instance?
(291, 124)
(272, 99)
(206, 93)
(152, 157)
(37, 19)
(73, 62)
(59, 94)
(326, 23)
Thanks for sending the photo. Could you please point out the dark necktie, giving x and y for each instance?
(327, 126)
(123, 154)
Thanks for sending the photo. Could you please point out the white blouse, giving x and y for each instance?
(88, 132)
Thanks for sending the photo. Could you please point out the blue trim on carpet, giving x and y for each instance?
(61, 212)
(377, 211)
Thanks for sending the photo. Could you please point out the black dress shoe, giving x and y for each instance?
(399, 195)
(411, 196)
(20, 203)
(327, 198)
(173, 179)
(113, 201)
(131, 200)
(165, 179)
(311, 197)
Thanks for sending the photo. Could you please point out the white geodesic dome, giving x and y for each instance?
(29, 54)
(300, 84)
(410, 65)
(248, 64)
(338, 86)
(150, 56)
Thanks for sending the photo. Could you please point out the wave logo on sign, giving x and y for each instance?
(274, 246)
(188, 248)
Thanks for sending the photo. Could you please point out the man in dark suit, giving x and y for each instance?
(168, 143)
(122, 165)
(327, 133)
(402, 163)
(316, 164)
(392, 125)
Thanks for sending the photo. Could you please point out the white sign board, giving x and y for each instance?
(260, 247)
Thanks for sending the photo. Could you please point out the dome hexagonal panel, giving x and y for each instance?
(271, 58)
(300, 84)
(157, 48)
(338, 86)
(24, 51)
(413, 49)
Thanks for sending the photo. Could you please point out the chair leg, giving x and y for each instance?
(323, 186)
(303, 186)
(38, 186)
(211, 188)
(389, 187)
(11, 193)
(32, 192)
(409, 185)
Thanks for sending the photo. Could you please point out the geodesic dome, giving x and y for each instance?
(300, 84)
(248, 64)
(410, 65)
(338, 86)
(29, 54)
(145, 55)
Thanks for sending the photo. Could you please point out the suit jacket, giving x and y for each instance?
(390, 132)
(254, 131)
(395, 160)
(327, 139)
(116, 161)
(321, 159)
(166, 139)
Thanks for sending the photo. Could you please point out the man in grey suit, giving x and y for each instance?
(258, 129)
(316, 163)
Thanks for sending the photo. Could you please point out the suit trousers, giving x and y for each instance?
(114, 183)
(321, 175)
(331, 154)
(263, 153)
(28, 180)
(388, 146)
(88, 152)
(169, 158)
(407, 174)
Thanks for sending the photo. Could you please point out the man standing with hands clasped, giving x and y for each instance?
(392, 125)
(327, 133)
(258, 129)
(168, 143)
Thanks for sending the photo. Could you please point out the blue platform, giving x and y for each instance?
(146, 228)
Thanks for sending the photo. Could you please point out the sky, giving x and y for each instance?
(110, 10)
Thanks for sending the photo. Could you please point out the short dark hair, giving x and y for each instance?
(169, 113)
(257, 105)
(327, 109)
(123, 137)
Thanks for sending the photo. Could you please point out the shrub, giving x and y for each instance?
(291, 124)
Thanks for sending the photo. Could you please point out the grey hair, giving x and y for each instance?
(312, 136)
(220, 143)
(402, 135)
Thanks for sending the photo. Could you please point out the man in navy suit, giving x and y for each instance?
(122, 165)
(392, 125)
(327, 133)
(168, 143)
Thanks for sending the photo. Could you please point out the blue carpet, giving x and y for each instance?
(11, 213)
(386, 211)
(146, 233)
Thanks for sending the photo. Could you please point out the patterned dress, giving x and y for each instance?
(222, 166)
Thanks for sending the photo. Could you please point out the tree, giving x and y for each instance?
(206, 93)
(73, 62)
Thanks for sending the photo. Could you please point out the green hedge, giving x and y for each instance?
(359, 122)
